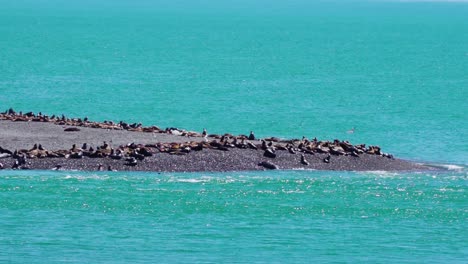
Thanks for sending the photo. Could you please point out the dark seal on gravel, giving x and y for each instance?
(71, 129)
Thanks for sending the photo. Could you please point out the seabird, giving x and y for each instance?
(327, 159)
(303, 160)
(264, 145)
(251, 136)
(15, 165)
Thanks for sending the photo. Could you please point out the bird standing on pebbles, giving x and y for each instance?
(252, 135)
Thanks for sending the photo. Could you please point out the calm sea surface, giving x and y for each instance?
(395, 71)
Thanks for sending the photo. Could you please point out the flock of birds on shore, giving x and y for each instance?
(133, 153)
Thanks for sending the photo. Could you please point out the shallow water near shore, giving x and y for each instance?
(396, 72)
(289, 216)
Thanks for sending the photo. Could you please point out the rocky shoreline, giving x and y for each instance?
(38, 141)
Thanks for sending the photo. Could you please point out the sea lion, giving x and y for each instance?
(337, 151)
(223, 148)
(264, 145)
(280, 147)
(116, 155)
(131, 162)
(303, 160)
(229, 145)
(198, 147)
(76, 155)
(251, 145)
(21, 158)
(270, 153)
(268, 165)
(145, 152)
(387, 155)
(137, 155)
(4, 155)
(71, 129)
(2, 150)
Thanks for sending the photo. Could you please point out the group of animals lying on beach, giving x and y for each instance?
(133, 153)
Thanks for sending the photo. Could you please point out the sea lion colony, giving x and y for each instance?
(131, 153)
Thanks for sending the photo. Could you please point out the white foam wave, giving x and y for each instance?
(86, 177)
(191, 180)
(203, 179)
(452, 167)
(380, 173)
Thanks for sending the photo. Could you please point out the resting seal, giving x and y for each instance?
(270, 153)
(268, 165)
(71, 129)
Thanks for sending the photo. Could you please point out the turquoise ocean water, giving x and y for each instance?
(396, 71)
